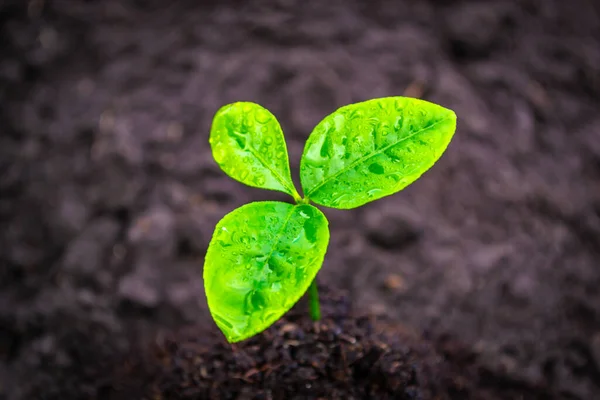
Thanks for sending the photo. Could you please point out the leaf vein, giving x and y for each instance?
(369, 156)
(284, 182)
(280, 233)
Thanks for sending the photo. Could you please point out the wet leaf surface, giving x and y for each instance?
(248, 144)
(369, 150)
(261, 260)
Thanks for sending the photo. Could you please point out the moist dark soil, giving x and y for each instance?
(343, 356)
(109, 194)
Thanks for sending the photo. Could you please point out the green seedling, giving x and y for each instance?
(264, 256)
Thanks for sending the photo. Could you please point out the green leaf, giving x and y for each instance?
(365, 151)
(248, 144)
(261, 259)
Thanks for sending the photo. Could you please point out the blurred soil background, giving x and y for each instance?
(109, 194)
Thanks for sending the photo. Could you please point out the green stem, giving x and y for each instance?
(313, 298)
(296, 196)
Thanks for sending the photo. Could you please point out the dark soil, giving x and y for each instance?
(341, 357)
(109, 195)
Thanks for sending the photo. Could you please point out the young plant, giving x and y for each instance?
(264, 256)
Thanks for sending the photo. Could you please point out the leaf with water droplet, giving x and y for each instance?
(248, 292)
(365, 151)
(242, 136)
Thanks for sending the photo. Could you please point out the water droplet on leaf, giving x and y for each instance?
(376, 168)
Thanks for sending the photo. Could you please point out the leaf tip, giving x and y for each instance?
(232, 339)
(452, 114)
(449, 116)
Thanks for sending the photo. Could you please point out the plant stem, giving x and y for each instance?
(296, 196)
(313, 298)
(298, 199)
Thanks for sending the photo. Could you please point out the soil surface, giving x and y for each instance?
(343, 356)
(109, 195)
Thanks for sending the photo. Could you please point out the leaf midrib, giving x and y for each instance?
(280, 233)
(284, 182)
(369, 156)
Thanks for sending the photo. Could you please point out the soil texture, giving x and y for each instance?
(109, 194)
(343, 356)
